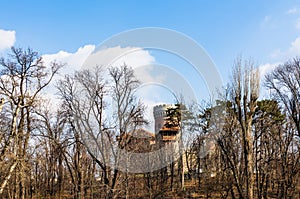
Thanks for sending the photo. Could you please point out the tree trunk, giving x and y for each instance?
(6, 179)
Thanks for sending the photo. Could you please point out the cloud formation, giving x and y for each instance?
(298, 23)
(266, 68)
(292, 51)
(263, 71)
(72, 61)
(291, 11)
(86, 57)
(7, 39)
(280, 56)
(117, 56)
(266, 22)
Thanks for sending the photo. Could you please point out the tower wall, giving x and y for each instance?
(159, 113)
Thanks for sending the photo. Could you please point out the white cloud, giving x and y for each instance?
(116, 56)
(271, 22)
(279, 56)
(141, 61)
(298, 24)
(73, 61)
(263, 70)
(266, 68)
(7, 39)
(152, 75)
(266, 21)
(137, 58)
(291, 11)
(295, 48)
(86, 57)
(293, 51)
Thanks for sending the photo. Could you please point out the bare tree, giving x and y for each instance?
(268, 134)
(83, 99)
(244, 95)
(284, 83)
(100, 121)
(129, 111)
(23, 77)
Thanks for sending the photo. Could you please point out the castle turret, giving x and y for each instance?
(159, 113)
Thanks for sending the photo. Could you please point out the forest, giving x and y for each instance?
(241, 146)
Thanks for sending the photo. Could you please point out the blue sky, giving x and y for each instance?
(224, 28)
(266, 30)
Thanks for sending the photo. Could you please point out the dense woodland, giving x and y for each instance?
(50, 150)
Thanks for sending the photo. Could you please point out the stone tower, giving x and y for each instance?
(159, 113)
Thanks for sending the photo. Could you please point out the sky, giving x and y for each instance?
(267, 31)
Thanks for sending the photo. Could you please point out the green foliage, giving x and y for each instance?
(173, 116)
(271, 109)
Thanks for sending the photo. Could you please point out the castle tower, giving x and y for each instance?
(159, 113)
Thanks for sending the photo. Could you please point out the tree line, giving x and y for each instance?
(241, 146)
